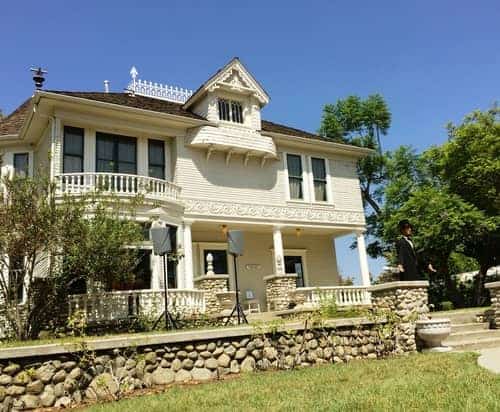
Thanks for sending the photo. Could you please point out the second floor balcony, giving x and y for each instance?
(118, 184)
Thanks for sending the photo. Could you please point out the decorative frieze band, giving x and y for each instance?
(313, 214)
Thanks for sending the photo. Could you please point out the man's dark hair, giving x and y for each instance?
(403, 224)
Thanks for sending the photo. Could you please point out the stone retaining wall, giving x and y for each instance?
(70, 378)
(405, 302)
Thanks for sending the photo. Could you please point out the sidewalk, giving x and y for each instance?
(490, 359)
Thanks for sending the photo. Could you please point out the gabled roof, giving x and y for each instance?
(11, 124)
(234, 75)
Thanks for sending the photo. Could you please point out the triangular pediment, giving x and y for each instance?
(233, 77)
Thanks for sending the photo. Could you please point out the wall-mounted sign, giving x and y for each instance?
(253, 266)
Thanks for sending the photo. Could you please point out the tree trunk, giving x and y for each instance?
(479, 298)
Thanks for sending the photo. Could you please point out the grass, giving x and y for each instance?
(430, 382)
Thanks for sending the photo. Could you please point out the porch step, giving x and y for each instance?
(474, 344)
(468, 327)
(471, 335)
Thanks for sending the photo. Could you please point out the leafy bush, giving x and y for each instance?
(446, 305)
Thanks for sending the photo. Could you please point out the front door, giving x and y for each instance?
(294, 264)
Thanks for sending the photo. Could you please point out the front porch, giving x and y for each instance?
(282, 267)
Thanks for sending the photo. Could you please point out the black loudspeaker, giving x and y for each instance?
(160, 235)
(235, 242)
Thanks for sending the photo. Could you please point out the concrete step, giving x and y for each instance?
(455, 318)
(468, 327)
(474, 344)
(472, 335)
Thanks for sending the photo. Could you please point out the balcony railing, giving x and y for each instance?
(312, 297)
(119, 305)
(118, 184)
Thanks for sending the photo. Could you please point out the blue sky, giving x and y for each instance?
(434, 61)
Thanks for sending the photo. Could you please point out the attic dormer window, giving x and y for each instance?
(230, 111)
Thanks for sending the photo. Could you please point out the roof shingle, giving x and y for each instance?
(136, 101)
(13, 123)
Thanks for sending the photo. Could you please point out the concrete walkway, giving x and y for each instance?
(490, 359)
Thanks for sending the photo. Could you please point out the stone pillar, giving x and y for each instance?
(494, 288)
(406, 302)
(279, 264)
(212, 284)
(188, 256)
(363, 259)
(279, 290)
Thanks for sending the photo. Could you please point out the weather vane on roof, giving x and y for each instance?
(38, 76)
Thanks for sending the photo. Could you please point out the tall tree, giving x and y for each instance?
(469, 163)
(361, 122)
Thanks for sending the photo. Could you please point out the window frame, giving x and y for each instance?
(158, 143)
(233, 116)
(73, 154)
(28, 168)
(326, 180)
(303, 178)
(116, 138)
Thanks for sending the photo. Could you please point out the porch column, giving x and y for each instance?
(180, 263)
(279, 267)
(363, 259)
(188, 255)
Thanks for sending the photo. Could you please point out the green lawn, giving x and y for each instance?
(432, 382)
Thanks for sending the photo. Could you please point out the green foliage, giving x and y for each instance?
(447, 305)
(101, 254)
(39, 229)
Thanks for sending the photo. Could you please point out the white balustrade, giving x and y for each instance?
(110, 306)
(312, 297)
(160, 91)
(117, 183)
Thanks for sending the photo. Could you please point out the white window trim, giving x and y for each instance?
(305, 189)
(329, 199)
(296, 252)
(230, 101)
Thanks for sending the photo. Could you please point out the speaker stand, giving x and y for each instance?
(170, 322)
(237, 309)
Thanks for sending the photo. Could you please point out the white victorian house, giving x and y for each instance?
(211, 164)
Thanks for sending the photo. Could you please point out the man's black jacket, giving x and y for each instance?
(407, 257)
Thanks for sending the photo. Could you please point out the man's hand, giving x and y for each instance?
(431, 269)
(401, 268)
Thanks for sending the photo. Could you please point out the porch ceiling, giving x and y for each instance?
(206, 226)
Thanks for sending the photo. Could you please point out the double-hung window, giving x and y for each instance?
(230, 111)
(156, 158)
(295, 179)
(73, 150)
(21, 164)
(319, 179)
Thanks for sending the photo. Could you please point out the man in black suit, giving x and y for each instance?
(408, 261)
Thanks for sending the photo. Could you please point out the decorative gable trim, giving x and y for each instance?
(232, 77)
